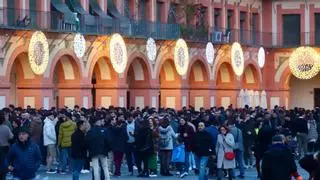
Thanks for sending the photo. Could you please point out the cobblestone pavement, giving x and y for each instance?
(250, 175)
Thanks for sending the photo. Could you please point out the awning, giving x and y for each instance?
(113, 11)
(68, 16)
(97, 9)
(77, 7)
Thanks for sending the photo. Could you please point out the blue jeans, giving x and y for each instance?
(202, 162)
(77, 165)
(187, 162)
(64, 158)
(239, 161)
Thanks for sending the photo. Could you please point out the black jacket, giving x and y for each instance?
(97, 141)
(278, 163)
(144, 142)
(263, 141)
(78, 145)
(202, 144)
(118, 138)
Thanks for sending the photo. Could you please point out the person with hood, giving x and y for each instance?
(202, 148)
(24, 157)
(144, 147)
(167, 137)
(78, 149)
(98, 145)
(118, 137)
(278, 162)
(130, 144)
(187, 133)
(49, 140)
(6, 136)
(66, 130)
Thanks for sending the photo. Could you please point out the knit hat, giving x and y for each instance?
(23, 130)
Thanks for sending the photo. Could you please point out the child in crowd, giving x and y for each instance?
(178, 156)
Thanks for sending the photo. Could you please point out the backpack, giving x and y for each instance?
(164, 140)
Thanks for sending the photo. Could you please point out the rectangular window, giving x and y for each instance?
(254, 27)
(229, 19)
(291, 30)
(242, 26)
(159, 6)
(217, 17)
(127, 12)
(142, 9)
(317, 28)
(11, 12)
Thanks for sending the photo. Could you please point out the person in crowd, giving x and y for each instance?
(49, 140)
(312, 132)
(167, 136)
(263, 142)
(202, 148)
(212, 129)
(178, 156)
(152, 161)
(187, 133)
(310, 164)
(5, 137)
(98, 145)
(225, 144)
(278, 162)
(249, 138)
(302, 135)
(144, 147)
(66, 130)
(130, 145)
(36, 129)
(238, 147)
(24, 157)
(78, 149)
(118, 138)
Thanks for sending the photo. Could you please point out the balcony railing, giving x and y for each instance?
(95, 25)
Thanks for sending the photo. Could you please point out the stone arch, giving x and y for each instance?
(7, 66)
(67, 60)
(251, 79)
(225, 75)
(198, 71)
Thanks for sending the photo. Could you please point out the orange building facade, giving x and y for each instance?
(91, 80)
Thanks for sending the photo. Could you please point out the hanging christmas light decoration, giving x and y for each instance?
(181, 57)
(38, 52)
(79, 45)
(210, 53)
(118, 53)
(237, 59)
(304, 62)
(151, 48)
(261, 57)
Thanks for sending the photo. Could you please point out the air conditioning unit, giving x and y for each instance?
(217, 36)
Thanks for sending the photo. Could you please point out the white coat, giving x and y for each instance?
(49, 132)
(225, 144)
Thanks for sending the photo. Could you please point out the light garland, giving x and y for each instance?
(118, 53)
(304, 62)
(79, 45)
(38, 52)
(261, 57)
(181, 57)
(151, 48)
(237, 59)
(210, 53)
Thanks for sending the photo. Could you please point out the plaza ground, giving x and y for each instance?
(250, 175)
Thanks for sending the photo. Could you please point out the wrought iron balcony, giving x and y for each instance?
(97, 25)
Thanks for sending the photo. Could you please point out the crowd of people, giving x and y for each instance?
(213, 142)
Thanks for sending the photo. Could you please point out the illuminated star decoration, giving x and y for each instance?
(210, 52)
(151, 48)
(181, 57)
(38, 52)
(118, 53)
(237, 59)
(79, 45)
(304, 62)
(261, 57)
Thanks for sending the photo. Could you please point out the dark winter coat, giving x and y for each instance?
(263, 141)
(278, 163)
(187, 140)
(36, 130)
(213, 131)
(97, 141)
(25, 159)
(202, 144)
(248, 133)
(78, 145)
(144, 141)
(118, 138)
